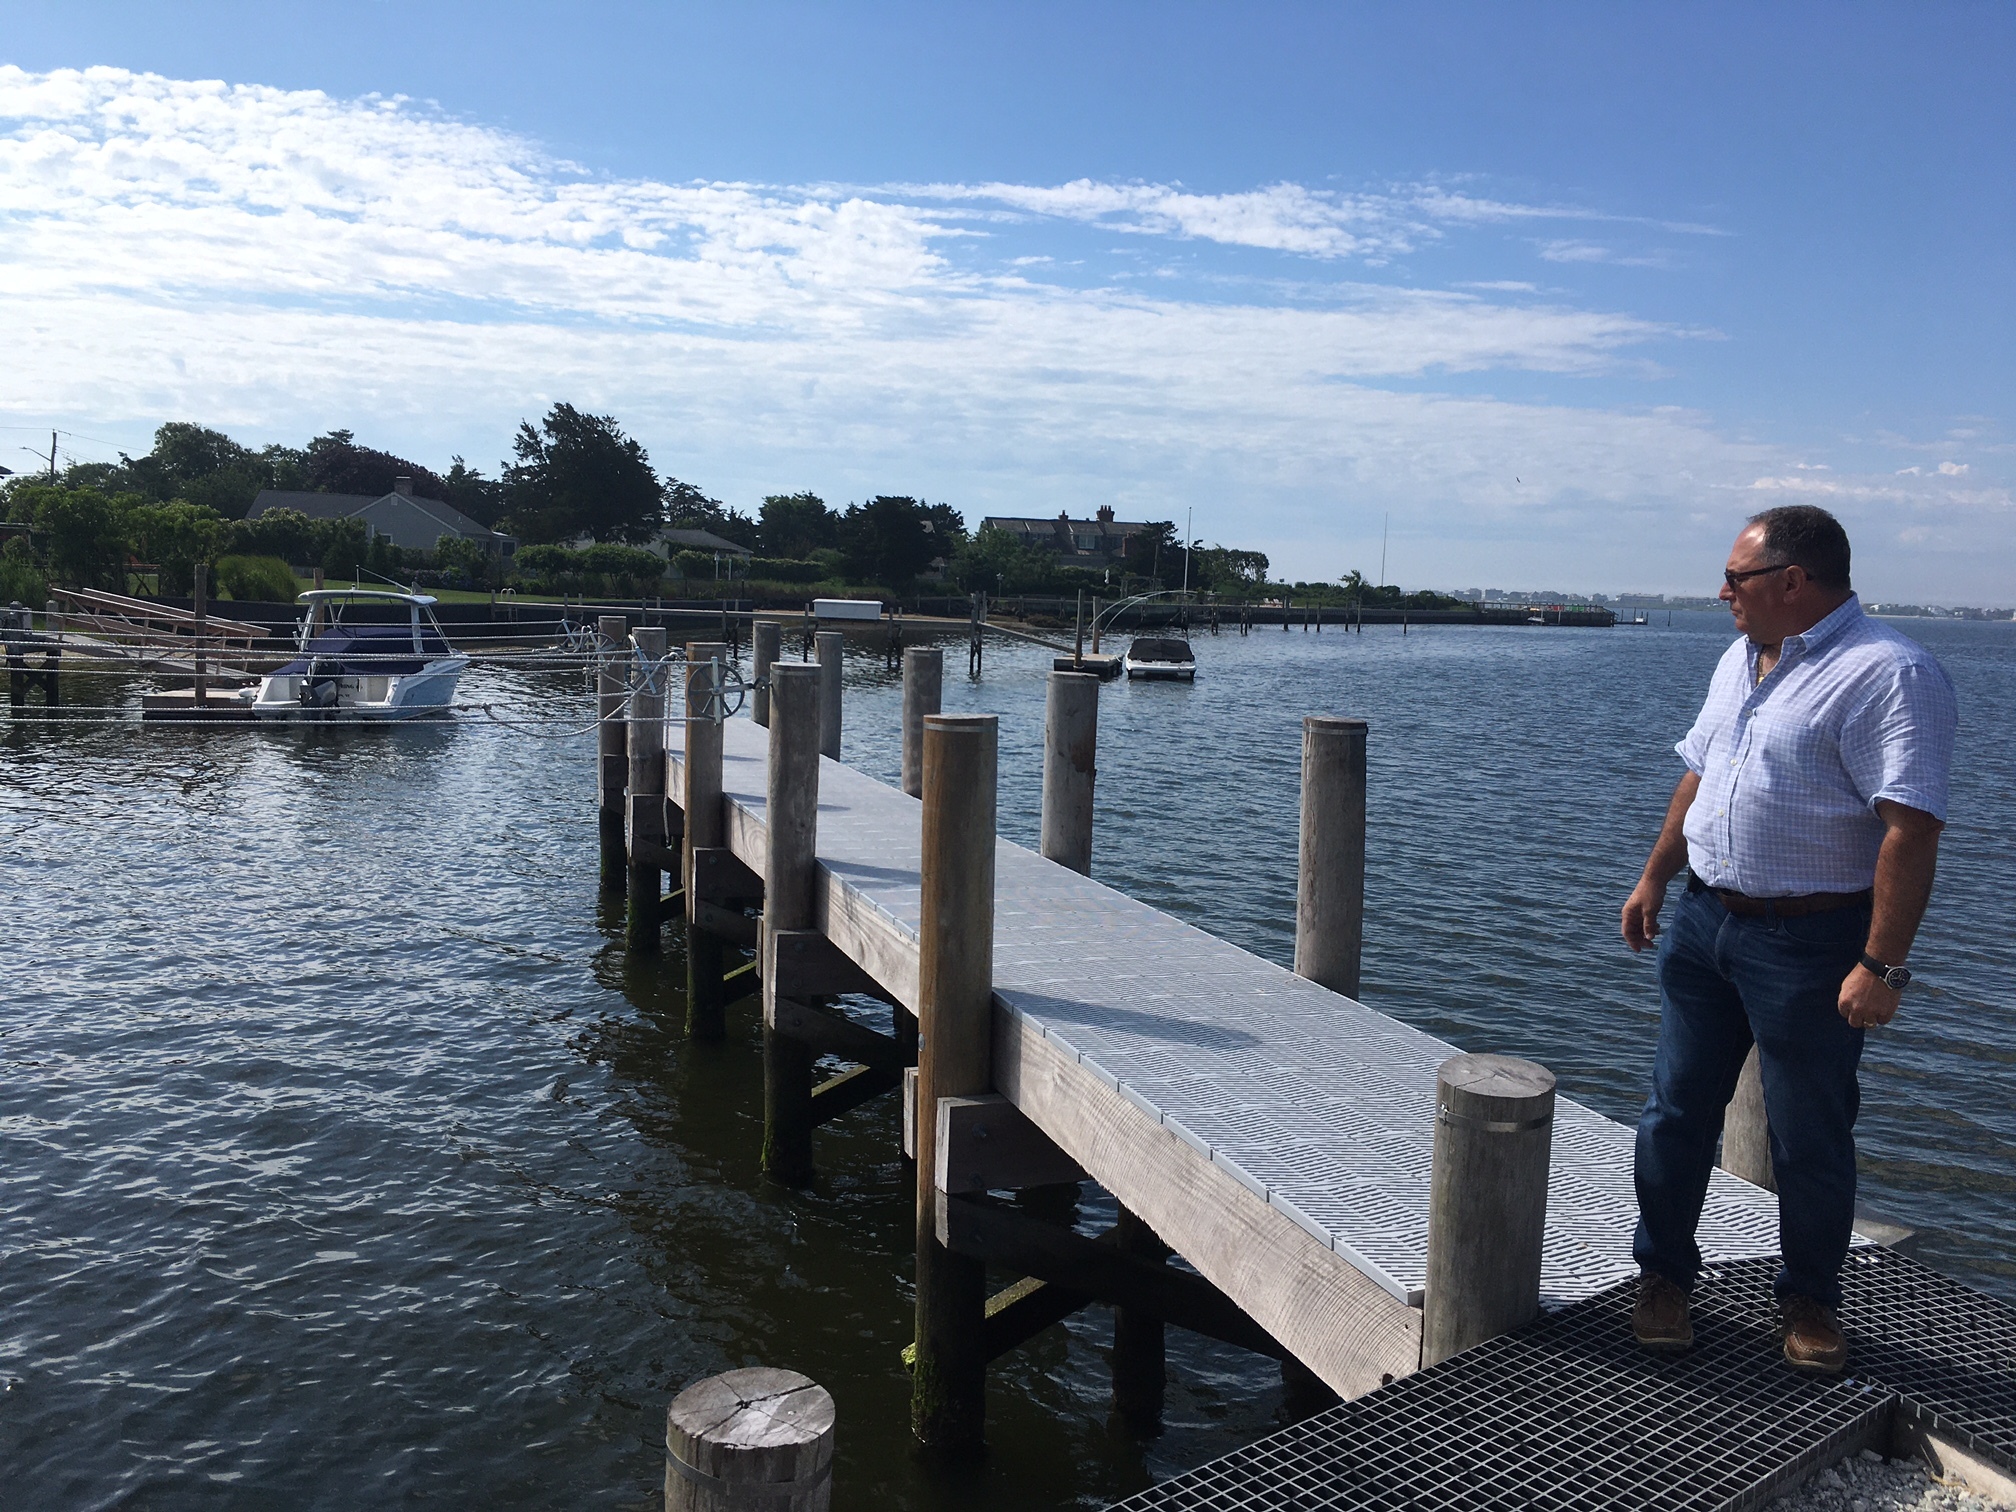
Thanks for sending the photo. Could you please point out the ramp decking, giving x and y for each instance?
(1278, 1135)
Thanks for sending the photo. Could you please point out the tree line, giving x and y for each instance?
(572, 476)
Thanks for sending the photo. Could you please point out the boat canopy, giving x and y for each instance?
(371, 650)
(1161, 649)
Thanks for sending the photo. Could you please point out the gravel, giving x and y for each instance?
(1870, 1483)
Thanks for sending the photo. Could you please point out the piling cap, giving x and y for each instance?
(741, 1413)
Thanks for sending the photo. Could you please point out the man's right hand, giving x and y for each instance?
(1641, 913)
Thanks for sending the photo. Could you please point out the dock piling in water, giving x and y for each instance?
(644, 809)
(767, 636)
(923, 694)
(1746, 1132)
(756, 1438)
(706, 828)
(1070, 751)
(791, 860)
(955, 988)
(832, 646)
(612, 764)
(1330, 890)
(1487, 1201)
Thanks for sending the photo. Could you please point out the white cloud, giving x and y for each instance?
(280, 262)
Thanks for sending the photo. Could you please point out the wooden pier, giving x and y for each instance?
(1353, 1197)
(1274, 1133)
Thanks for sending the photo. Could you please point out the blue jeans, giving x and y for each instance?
(1725, 981)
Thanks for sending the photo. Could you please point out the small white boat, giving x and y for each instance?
(352, 666)
(1166, 657)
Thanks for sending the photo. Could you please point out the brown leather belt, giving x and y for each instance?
(1790, 908)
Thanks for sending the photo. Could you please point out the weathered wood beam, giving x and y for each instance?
(808, 965)
(985, 1144)
(720, 877)
(998, 1233)
(730, 924)
(830, 1034)
(847, 1091)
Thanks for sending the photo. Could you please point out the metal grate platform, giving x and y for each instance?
(1570, 1414)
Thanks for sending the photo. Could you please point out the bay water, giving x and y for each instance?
(348, 1159)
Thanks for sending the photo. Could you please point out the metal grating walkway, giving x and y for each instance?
(1570, 1414)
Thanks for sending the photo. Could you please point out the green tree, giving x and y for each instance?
(578, 474)
(687, 508)
(886, 541)
(340, 546)
(1155, 552)
(201, 465)
(480, 498)
(467, 563)
(1221, 569)
(21, 581)
(174, 537)
(81, 532)
(284, 533)
(998, 561)
(793, 526)
(335, 463)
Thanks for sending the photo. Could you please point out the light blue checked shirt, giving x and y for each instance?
(1791, 768)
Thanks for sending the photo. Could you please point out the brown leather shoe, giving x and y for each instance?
(1813, 1339)
(1660, 1319)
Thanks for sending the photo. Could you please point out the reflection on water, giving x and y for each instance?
(346, 1156)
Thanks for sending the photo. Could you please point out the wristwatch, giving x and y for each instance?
(1896, 978)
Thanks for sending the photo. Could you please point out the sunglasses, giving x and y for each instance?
(1733, 579)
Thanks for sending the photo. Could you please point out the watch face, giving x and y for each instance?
(1896, 978)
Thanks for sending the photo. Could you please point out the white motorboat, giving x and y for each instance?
(355, 664)
(1166, 657)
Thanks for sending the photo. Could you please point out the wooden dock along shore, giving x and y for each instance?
(1275, 1133)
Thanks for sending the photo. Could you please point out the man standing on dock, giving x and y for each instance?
(1808, 820)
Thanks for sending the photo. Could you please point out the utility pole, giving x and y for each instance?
(1382, 547)
(52, 456)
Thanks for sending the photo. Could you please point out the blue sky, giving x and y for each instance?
(1567, 290)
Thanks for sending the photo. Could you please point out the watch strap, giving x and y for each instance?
(1896, 978)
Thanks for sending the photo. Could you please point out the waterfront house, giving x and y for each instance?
(1101, 541)
(402, 517)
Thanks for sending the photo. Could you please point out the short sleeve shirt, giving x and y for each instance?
(1792, 767)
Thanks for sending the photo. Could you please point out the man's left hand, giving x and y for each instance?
(1865, 1002)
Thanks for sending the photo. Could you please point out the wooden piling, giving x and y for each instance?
(923, 694)
(612, 764)
(644, 802)
(199, 602)
(768, 638)
(1746, 1132)
(1487, 1200)
(1070, 750)
(756, 1438)
(955, 976)
(1140, 1352)
(706, 828)
(1330, 892)
(791, 859)
(832, 646)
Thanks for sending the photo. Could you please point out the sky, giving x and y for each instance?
(1539, 295)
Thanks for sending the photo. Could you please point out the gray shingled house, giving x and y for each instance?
(402, 517)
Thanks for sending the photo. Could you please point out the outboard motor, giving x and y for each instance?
(318, 686)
